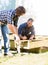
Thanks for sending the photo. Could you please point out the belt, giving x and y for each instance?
(3, 22)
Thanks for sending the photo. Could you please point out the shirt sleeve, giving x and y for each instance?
(14, 18)
(32, 31)
(20, 29)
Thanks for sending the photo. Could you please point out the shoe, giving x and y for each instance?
(8, 54)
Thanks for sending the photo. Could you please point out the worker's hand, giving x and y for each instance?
(16, 39)
(31, 38)
(24, 38)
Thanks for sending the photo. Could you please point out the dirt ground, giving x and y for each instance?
(26, 59)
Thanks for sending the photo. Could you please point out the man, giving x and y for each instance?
(10, 18)
(26, 30)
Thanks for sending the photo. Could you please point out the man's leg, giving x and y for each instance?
(0, 41)
(6, 38)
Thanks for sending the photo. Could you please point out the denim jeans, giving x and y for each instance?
(5, 34)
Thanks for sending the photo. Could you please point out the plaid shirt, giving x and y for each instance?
(7, 15)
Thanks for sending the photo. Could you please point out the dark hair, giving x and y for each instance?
(30, 19)
(20, 10)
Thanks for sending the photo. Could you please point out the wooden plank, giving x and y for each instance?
(34, 43)
(40, 41)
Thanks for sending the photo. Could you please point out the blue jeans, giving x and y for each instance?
(5, 34)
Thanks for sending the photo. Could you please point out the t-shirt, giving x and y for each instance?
(7, 16)
(25, 31)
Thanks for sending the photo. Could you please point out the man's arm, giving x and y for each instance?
(20, 29)
(13, 29)
(32, 33)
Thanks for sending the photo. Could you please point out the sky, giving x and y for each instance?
(37, 9)
(7, 4)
